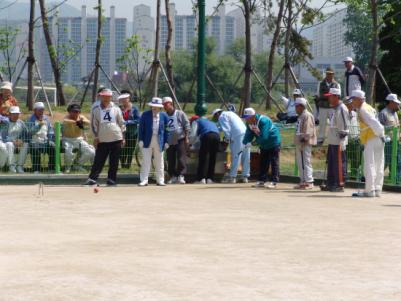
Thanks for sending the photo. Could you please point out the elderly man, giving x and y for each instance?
(323, 106)
(74, 139)
(42, 137)
(179, 129)
(15, 136)
(354, 149)
(153, 138)
(131, 117)
(234, 132)
(304, 138)
(7, 100)
(262, 131)
(290, 115)
(373, 138)
(108, 127)
(354, 78)
(337, 140)
(388, 117)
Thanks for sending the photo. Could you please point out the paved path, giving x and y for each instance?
(215, 242)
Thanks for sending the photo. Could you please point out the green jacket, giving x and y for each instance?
(269, 136)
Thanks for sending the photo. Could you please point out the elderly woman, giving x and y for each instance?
(7, 100)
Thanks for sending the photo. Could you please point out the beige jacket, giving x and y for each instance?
(107, 123)
(306, 130)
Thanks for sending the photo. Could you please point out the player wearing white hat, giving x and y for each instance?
(373, 138)
(7, 100)
(304, 138)
(354, 78)
(290, 115)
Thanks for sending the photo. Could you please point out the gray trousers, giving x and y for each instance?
(303, 154)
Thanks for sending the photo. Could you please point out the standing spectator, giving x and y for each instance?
(354, 149)
(7, 100)
(262, 130)
(208, 134)
(15, 136)
(234, 132)
(304, 139)
(131, 117)
(42, 141)
(388, 117)
(290, 115)
(178, 140)
(354, 78)
(323, 105)
(373, 139)
(74, 139)
(108, 127)
(153, 137)
(337, 140)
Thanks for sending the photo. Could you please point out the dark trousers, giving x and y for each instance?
(209, 146)
(36, 150)
(177, 159)
(336, 166)
(269, 158)
(127, 152)
(104, 150)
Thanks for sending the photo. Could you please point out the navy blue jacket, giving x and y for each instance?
(146, 129)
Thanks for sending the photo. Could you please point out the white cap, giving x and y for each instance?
(333, 91)
(248, 112)
(358, 94)
(156, 102)
(215, 111)
(38, 105)
(6, 86)
(393, 97)
(348, 59)
(301, 101)
(297, 92)
(14, 110)
(123, 96)
(167, 99)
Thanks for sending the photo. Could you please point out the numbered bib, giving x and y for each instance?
(106, 116)
(172, 124)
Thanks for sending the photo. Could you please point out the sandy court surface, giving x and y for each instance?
(194, 242)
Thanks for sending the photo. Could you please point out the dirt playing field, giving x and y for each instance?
(192, 242)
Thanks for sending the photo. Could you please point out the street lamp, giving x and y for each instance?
(201, 108)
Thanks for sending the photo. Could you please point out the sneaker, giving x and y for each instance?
(259, 184)
(209, 181)
(203, 181)
(309, 186)
(378, 193)
(161, 184)
(90, 182)
(230, 180)
(173, 180)
(300, 186)
(244, 180)
(181, 180)
(20, 169)
(12, 169)
(320, 142)
(111, 182)
(363, 194)
(336, 189)
(143, 184)
(271, 185)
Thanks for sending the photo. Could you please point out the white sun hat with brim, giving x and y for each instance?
(15, 110)
(6, 86)
(39, 106)
(393, 97)
(156, 102)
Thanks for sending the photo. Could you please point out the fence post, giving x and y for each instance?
(394, 157)
(57, 130)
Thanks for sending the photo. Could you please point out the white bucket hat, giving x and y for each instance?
(6, 86)
(156, 102)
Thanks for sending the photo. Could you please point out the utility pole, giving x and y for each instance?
(201, 108)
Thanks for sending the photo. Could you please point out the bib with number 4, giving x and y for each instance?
(106, 116)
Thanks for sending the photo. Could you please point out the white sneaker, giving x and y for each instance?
(364, 194)
(209, 181)
(161, 184)
(181, 180)
(203, 181)
(271, 185)
(378, 193)
(12, 169)
(173, 180)
(143, 184)
(259, 184)
(20, 169)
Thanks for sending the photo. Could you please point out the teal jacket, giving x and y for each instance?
(269, 134)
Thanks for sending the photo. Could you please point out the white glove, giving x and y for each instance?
(248, 145)
(166, 146)
(140, 144)
(385, 139)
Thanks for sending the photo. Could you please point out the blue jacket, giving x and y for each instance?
(146, 129)
(206, 126)
(269, 136)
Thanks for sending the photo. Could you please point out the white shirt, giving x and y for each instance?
(156, 123)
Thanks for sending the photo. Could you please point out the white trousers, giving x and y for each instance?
(153, 149)
(11, 154)
(86, 152)
(304, 157)
(324, 114)
(374, 164)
